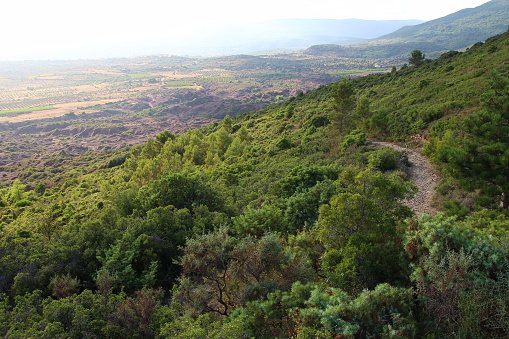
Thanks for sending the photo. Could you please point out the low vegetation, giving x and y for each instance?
(104, 105)
(456, 31)
(282, 222)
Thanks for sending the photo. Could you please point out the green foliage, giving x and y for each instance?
(85, 315)
(477, 234)
(117, 161)
(16, 192)
(442, 286)
(343, 94)
(283, 222)
(181, 191)
(387, 159)
(227, 124)
(22, 203)
(416, 58)
(283, 143)
(135, 317)
(205, 261)
(302, 207)
(318, 121)
(478, 155)
(165, 136)
(318, 311)
(220, 273)
(302, 178)
(385, 311)
(460, 270)
(131, 262)
(358, 228)
(206, 326)
(354, 138)
(125, 200)
(408, 101)
(256, 222)
(64, 286)
(272, 317)
(362, 112)
(483, 308)
(378, 122)
(40, 188)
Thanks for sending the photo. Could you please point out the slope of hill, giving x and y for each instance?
(66, 109)
(452, 32)
(358, 28)
(278, 223)
(416, 97)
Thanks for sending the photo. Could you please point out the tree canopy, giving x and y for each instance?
(416, 58)
(478, 154)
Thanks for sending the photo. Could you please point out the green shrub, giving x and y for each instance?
(182, 191)
(354, 138)
(283, 143)
(22, 203)
(387, 159)
(259, 221)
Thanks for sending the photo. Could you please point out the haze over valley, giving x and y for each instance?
(55, 29)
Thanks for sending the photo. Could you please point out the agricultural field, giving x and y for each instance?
(54, 114)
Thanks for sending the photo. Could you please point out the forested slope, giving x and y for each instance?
(280, 223)
(455, 31)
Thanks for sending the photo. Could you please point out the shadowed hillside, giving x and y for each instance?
(452, 32)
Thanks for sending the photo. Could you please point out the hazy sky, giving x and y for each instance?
(41, 28)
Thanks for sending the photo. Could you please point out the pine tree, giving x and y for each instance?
(343, 94)
(416, 58)
(479, 155)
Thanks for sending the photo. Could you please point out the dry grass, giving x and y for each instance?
(58, 111)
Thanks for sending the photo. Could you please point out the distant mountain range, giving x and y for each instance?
(276, 35)
(452, 32)
(352, 38)
(272, 36)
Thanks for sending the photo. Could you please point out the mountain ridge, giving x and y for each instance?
(455, 31)
(291, 34)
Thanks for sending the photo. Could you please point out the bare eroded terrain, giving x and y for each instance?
(100, 108)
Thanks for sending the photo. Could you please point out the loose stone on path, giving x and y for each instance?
(424, 176)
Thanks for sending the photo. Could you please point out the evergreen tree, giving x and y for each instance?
(416, 58)
(343, 94)
(358, 228)
(479, 155)
(17, 192)
(227, 124)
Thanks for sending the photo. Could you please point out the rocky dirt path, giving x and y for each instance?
(424, 176)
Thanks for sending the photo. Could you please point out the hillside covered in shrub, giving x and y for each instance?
(455, 31)
(284, 222)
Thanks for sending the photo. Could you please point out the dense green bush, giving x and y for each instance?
(387, 159)
(181, 191)
(460, 272)
(354, 138)
(318, 311)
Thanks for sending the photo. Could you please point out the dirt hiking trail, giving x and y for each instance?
(424, 176)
